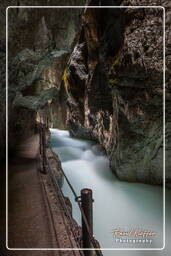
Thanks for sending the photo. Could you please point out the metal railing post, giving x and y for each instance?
(44, 150)
(87, 205)
(40, 140)
(40, 150)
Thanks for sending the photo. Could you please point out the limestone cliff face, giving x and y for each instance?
(115, 88)
(113, 79)
(40, 42)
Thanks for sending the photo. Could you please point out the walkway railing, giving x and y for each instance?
(85, 201)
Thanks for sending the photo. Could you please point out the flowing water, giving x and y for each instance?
(117, 205)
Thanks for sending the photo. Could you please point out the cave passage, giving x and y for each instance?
(117, 204)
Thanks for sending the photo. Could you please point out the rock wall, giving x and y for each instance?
(115, 88)
(113, 80)
(40, 42)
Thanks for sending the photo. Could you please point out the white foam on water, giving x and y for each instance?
(117, 204)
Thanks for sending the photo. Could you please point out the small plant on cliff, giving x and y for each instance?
(116, 64)
(113, 82)
(65, 79)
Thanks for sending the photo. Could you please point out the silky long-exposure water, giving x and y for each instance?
(117, 204)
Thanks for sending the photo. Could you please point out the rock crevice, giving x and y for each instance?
(115, 89)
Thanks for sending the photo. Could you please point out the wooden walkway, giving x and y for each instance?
(35, 216)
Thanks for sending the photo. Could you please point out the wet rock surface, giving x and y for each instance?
(39, 44)
(113, 81)
(115, 96)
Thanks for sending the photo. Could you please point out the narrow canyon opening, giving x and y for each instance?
(88, 96)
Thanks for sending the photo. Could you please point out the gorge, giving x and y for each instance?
(98, 79)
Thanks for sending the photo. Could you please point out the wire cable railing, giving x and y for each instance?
(95, 245)
(67, 213)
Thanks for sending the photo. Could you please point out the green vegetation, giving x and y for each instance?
(113, 82)
(116, 64)
(65, 79)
